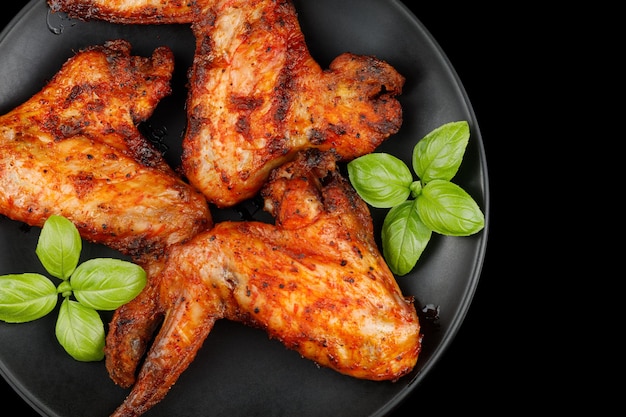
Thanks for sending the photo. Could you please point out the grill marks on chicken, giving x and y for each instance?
(257, 96)
(74, 149)
(314, 280)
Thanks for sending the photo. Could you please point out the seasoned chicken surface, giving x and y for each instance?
(128, 11)
(313, 280)
(257, 96)
(74, 149)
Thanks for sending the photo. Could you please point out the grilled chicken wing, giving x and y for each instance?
(74, 149)
(313, 280)
(256, 94)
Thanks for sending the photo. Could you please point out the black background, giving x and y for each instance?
(478, 371)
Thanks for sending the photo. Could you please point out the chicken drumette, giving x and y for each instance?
(314, 280)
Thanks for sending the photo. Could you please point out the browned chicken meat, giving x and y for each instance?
(129, 11)
(74, 149)
(256, 94)
(314, 280)
(257, 97)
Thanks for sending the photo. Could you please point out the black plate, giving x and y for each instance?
(239, 371)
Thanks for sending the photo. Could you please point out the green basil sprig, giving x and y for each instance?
(418, 207)
(96, 284)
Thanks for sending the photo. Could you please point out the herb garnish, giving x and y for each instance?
(96, 284)
(418, 207)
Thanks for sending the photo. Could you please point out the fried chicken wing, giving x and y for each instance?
(257, 96)
(74, 149)
(314, 280)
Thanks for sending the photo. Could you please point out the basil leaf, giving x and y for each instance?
(381, 179)
(80, 330)
(106, 284)
(59, 246)
(26, 297)
(404, 237)
(447, 209)
(440, 153)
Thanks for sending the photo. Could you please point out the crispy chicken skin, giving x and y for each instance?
(314, 280)
(74, 149)
(128, 11)
(257, 96)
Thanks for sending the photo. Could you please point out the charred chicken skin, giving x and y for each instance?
(257, 97)
(74, 149)
(128, 11)
(314, 280)
(256, 94)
